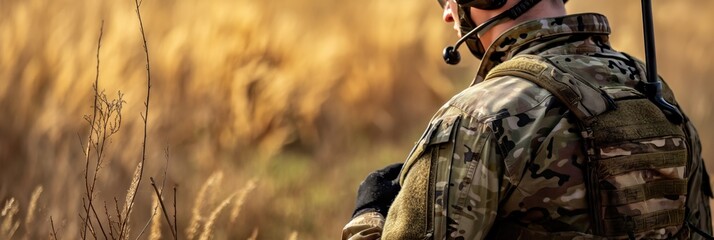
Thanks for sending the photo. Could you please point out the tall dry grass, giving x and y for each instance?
(305, 96)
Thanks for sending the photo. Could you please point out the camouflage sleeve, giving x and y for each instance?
(450, 182)
(468, 180)
(367, 226)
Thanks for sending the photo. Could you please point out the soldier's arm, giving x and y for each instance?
(374, 196)
(367, 226)
(455, 147)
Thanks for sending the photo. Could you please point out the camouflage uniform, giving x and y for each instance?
(505, 155)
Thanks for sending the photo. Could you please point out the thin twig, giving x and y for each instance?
(81, 231)
(153, 212)
(175, 221)
(168, 156)
(89, 142)
(54, 233)
(116, 206)
(109, 219)
(163, 208)
(81, 144)
(145, 116)
(166, 167)
(87, 221)
(96, 216)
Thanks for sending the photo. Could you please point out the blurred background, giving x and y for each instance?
(303, 97)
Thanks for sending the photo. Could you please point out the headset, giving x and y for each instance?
(451, 54)
(471, 38)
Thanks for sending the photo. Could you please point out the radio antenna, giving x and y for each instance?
(653, 87)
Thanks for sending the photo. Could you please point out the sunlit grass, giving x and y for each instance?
(306, 97)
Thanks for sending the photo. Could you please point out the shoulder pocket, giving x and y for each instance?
(438, 132)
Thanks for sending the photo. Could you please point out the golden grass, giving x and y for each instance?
(293, 236)
(202, 201)
(306, 96)
(211, 220)
(241, 198)
(32, 207)
(9, 225)
(211, 188)
(156, 219)
(254, 234)
(127, 210)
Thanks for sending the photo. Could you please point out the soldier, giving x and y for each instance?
(558, 137)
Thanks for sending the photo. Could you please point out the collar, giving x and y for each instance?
(536, 32)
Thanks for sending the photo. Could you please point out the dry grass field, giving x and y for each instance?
(265, 114)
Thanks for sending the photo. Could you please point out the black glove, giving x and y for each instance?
(377, 192)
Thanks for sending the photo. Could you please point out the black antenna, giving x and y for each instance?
(653, 87)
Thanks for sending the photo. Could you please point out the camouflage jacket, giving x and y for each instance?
(505, 148)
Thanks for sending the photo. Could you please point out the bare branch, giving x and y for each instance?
(54, 232)
(109, 220)
(163, 208)
(81, 144)
(175, 221)
(90, 188)
(96, 101)
(116, 206)
(99, 222)
(153, 212)
(145, 115)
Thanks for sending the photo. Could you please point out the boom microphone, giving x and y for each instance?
(451, 54)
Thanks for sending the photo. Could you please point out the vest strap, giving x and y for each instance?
(657, 160)
(642, 192)
(644, 222)
(583, 99)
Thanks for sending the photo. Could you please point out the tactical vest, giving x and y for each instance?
(637, 161)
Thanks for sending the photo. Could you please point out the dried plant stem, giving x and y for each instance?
(54, 232)
(87, 222)
(163, 208)
(116, 207)
(153, 213)
(104, 122)
(90, 187)
(109, 220)
(175, 221)
(145, 115)
(156, 207)
(99, 222)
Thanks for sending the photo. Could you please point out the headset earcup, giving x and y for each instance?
(483, 4)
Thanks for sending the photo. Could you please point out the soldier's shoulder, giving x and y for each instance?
(499, 97)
